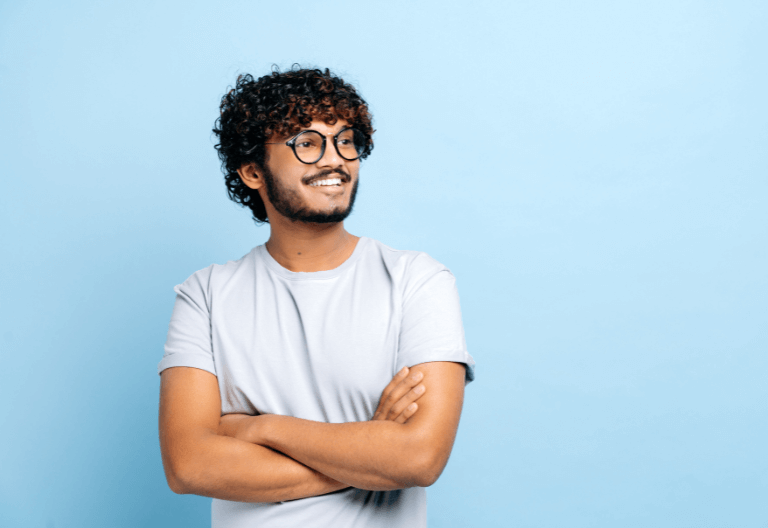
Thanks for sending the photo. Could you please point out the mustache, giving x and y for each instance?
(341, 173)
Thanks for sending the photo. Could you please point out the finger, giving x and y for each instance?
(396, 380)
(408, 398)
(407, 413)
(402, 373)
(397, 394)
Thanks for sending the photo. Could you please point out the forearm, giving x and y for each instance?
(232, 469)
(373, 455)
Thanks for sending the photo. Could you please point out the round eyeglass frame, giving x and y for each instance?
(292, 143)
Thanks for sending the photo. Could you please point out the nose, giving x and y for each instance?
(331, 156)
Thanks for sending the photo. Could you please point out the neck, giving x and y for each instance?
(306, 247)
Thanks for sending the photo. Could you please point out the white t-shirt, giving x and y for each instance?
(320, 346)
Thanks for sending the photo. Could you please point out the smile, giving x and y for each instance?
(328, 181)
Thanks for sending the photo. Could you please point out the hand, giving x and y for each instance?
(398, 401)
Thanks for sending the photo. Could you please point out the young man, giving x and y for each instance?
(271, 389)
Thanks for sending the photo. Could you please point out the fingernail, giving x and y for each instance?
(419, 389)
(411, 406)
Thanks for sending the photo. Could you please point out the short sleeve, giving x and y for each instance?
(431, 328)
(189, 333)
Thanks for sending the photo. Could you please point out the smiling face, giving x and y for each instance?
(321, 192)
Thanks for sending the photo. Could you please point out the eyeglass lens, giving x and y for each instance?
(350, 144)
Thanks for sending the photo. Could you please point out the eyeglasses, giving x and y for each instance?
(309, 146)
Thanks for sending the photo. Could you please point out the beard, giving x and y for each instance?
(288, 203)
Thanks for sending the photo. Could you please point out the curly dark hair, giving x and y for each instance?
(280, 104)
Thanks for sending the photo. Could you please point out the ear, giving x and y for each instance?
(251, 175)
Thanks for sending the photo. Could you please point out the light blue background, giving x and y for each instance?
(594, 173)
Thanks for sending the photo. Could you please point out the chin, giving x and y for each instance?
(319, 217)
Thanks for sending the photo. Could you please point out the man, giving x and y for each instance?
(271, 388)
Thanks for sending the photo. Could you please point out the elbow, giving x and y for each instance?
(175, 477)
(428, 469)
(428, 457)
(428, 476)
(177, 485)
(428, 479)
(185, 466)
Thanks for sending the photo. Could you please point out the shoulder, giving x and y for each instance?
(408, 261)
(205, 282)
(408, 267)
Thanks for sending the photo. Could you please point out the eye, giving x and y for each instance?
(308, 140)
(346, 138)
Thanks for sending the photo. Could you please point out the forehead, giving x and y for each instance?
(324, 128)
(316, 124)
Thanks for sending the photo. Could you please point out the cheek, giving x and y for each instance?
(291, 178)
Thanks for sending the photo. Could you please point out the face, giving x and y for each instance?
(295, 189)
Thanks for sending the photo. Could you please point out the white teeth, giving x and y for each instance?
(331, 181)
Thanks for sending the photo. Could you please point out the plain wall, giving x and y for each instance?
(594, 173)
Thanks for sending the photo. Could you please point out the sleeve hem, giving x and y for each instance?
(186, 360)
(455, 356)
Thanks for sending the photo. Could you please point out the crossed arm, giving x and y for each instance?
(270, 458)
